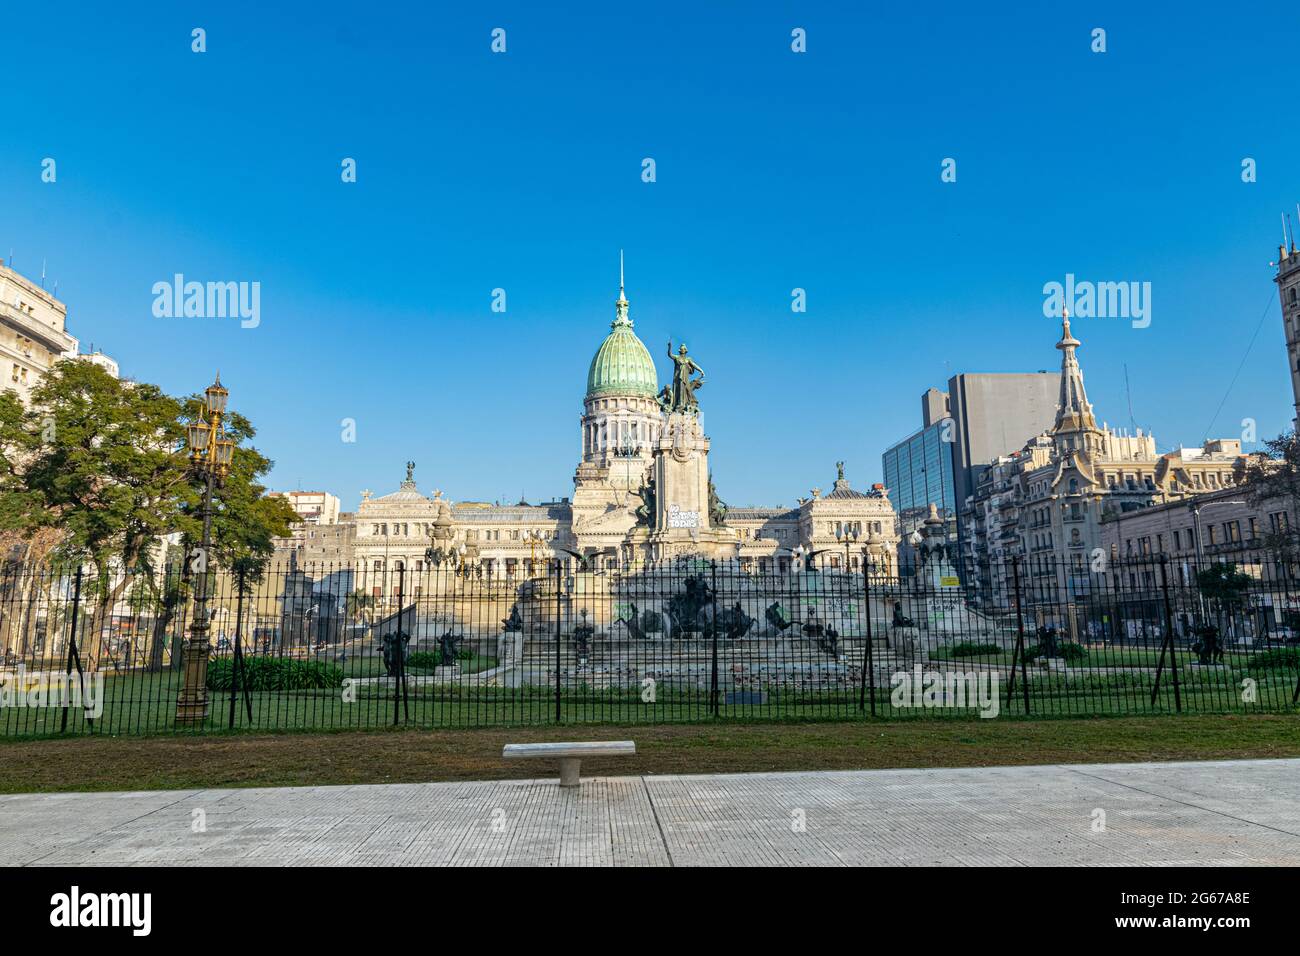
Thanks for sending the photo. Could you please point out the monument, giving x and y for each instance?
(641, 493)
(687, 512)
(944, 605)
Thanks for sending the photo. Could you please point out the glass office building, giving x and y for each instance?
(918, 472)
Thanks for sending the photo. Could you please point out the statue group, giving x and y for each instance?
(395, 649)
(687, 380)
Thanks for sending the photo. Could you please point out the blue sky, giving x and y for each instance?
(775, 170)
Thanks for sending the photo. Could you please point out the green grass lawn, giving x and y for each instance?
(144, 703)
(136, 763)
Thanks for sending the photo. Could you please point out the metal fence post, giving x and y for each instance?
(399, 691)
(1019, 653)
(713, 669)
(73, 656)
(237, 658)
(558, 584)
(1168, 641)
(1167, 645)
(868, 661)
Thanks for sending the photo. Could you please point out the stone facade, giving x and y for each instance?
(1230, 528)
(33, 334)
(313, 507)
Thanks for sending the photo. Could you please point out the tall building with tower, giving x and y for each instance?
(1288, 288)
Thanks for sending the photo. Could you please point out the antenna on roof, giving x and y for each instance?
(42, 273)
(1291, 230)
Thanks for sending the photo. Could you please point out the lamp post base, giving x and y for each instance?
(192, 702)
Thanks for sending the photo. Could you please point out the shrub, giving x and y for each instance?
(274, 673)
(1279, 658)
(427, 660)
(424, 660)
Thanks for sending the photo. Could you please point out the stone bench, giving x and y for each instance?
(570, 754)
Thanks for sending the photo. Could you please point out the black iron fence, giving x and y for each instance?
(331, 647)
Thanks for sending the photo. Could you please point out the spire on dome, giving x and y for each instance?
(1073, 411)
(621, 317)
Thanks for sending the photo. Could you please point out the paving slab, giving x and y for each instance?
(1236, 813)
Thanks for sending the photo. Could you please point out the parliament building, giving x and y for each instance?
(642, 494)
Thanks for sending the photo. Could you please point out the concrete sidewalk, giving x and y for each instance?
(1230, 812)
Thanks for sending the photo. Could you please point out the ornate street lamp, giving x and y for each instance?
(210, 455)
(534, 537)
(848, 534)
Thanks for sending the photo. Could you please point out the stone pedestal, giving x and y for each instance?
(681, 471)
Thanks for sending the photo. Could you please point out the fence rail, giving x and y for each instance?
(337, 647)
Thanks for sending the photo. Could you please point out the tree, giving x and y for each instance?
(104, 462)
(97, 458)
(245, 523)
(1272, 478)
(1226, 586)
(26, 580)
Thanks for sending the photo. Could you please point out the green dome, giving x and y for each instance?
(622, 365)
